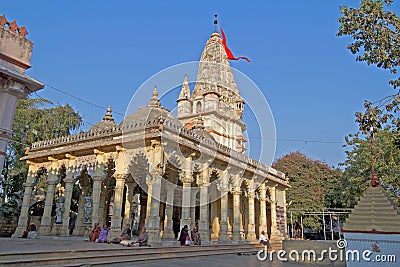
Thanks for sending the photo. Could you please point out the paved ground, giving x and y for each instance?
(219, 261)
(48, 245)
(42, 245)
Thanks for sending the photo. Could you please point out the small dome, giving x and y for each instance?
(199, 129)
(107, 122)
(152, 112)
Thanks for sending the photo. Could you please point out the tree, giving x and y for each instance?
(375, 30)
(33, 123)
(357, 174)
(314, 186)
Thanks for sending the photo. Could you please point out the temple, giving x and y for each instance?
(159, 171)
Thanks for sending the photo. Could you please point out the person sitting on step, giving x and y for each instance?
(32, 231)
(103, 235)
(264, 240)
(125, 235)
(141, 241)
(94, 234)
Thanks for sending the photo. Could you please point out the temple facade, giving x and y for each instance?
(159, 171)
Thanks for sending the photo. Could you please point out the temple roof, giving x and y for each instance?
(374, 213)
(107, 122)
(214, 74)
(153, 111)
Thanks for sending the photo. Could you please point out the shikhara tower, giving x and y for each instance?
(216, 98)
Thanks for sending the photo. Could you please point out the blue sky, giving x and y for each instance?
(103, 50)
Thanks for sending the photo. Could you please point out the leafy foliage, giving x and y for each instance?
(314, 186)
(357, 174)
(33, 123)
(375, 30)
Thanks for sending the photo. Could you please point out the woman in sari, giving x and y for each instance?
(196, 236)
(94, 234)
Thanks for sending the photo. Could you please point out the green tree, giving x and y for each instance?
(357, 174)
(33, 122)
(375, 30)
(314, 186)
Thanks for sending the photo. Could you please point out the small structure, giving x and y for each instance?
(15, 56)
(373, 230)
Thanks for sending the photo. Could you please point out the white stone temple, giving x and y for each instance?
(161, 172)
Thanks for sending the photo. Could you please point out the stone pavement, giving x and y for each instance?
(75, 243)
(219, 261)
(48, 245)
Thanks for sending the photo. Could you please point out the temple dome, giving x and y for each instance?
(106, 123)
(153, 112)
(199, 129)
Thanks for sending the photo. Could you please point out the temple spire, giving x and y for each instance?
(154, 101)
(108, 116)
(185, 91)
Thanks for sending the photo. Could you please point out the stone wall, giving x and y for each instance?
(7, 226)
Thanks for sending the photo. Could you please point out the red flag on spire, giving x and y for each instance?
(228, 51)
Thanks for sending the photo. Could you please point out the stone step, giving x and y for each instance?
(118, 255)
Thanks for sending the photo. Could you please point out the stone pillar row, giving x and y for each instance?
(153, 206)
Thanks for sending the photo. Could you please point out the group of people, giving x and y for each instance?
(99, 235)
(185, 239)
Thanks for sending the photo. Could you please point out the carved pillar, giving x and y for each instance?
(223, 234)
(251, 228)
(45, 227)
(116, 219)
(263, 208)
(193, 193)
(102, 205)
(236, 235)
(97, 178)
(274, 227)
(69, 186)
(169, 208)
(204, 227)
(97, 181)
(128, 202)
(153, 218)
(23, 218)
(80, 218)
(285, 212)
(186, 177)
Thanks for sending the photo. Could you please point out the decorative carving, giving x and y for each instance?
(88, 209)
(3, 20)
(59, 210)
(185, 178)
(22, 31)
(12, 26)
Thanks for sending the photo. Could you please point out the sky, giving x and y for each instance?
(102, 51)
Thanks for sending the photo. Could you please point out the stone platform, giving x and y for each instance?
(72, 251)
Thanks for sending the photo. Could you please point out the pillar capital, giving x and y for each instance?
(120, 176)
(251, 195)
(186, 176)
